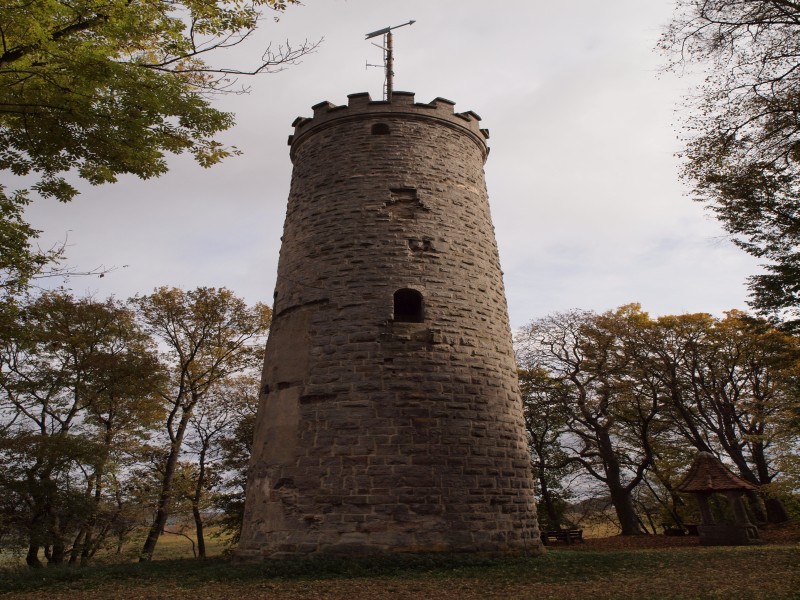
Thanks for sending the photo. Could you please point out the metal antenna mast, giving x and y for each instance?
(388, 55)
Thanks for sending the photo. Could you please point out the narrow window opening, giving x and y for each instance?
(380, 129)
(408, 306)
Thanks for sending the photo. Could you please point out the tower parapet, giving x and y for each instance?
(361, 105)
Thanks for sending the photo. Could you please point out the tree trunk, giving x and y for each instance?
(547, 499)
(88, 543)
(165, 498)
(32, 557)
(198, 495)
(626, 513)
(162, 509)
(756, 506)
(76, 546)
(621, 496)
(675, 500)
(649, 515)
(89, 538)
(198, 524)
(57, 556)
(97, 543)
(776, 511)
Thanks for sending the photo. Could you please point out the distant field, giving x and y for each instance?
(651, 567)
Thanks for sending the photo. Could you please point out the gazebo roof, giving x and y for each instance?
(708, 474)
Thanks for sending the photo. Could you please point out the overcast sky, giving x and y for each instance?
(582, 176)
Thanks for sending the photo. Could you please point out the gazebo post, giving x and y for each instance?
(739, 513)
(705, 510)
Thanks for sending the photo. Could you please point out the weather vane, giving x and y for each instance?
(388, 57)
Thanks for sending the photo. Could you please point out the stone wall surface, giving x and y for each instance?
(375, 434)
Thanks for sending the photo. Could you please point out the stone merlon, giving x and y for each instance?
(358, 105)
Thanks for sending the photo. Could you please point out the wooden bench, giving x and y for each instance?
(562, 535)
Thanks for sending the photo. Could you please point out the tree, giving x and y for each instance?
(215, 421)
(122, 407)
(659, 349)
(742, 136)
(107, 87)
(609, 414)
(236, 447)
(41, 492)
(77, 378)
(210, 335)
(546, 423)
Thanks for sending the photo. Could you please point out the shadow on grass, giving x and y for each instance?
(557, 566)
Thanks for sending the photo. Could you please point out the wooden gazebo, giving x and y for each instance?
(708, 476)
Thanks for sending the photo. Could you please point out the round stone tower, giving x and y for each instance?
(390, 417)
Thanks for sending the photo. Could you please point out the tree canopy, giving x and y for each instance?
(78, 380)
(101, 88)
(742, 131)
(107, 87)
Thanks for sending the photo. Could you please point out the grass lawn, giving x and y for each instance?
(657, 568)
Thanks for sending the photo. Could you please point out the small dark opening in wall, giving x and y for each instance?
(408, 306)
(380, 129)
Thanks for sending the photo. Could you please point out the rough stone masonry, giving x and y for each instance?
(390, 417)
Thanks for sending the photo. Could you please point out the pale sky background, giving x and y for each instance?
(582, 177)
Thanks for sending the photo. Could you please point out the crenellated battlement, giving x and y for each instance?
(361, 105)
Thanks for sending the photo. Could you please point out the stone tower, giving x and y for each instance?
(390, 417)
